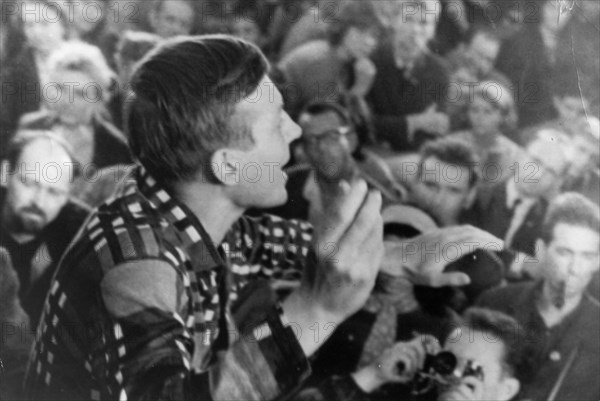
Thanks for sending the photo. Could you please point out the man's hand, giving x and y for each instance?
(410, 356)
(470, 389)
(364, 75)
(349, 250)
(422, 259)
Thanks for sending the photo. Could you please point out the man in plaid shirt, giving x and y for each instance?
(141, 305)
(145, 306)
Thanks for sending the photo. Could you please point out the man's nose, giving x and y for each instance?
(291, 130)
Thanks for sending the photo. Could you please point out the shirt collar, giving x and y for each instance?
(189, 230)
(513, 195)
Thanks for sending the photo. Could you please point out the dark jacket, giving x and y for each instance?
(54, 239)
(548, 350)
(393, 97)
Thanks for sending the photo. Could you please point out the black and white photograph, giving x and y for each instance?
(300, 200)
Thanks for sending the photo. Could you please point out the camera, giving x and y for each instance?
(441, 371)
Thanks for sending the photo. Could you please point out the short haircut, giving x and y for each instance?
(353, 14)
(183, 98)
(318, 108)
(453, 151)
(84, 58)
(573, 209)
(134, 45)
(24, 137)
(498, 325)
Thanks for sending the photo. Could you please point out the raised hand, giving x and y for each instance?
(422, 259)
(349, 249)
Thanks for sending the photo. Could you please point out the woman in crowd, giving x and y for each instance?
(75, 107)
(491, 117)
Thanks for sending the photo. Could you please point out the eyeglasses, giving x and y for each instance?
(329, 136)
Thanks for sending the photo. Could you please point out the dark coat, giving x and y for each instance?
(578, 335)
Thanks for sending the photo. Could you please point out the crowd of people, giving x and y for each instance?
(300, 199)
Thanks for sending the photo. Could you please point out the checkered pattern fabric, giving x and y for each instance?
(140, 306)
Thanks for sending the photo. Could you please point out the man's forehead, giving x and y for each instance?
(315, 123)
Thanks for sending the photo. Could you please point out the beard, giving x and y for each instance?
(28, 220)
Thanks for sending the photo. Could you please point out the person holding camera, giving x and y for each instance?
(481, 359)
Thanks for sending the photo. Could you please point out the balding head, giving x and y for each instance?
(38, 181)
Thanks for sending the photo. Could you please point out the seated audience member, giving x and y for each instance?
(38, 218)
(168, 18)
(538, 60)
(491, 117)
(478, 57)
(470, 64)
(337, 69)
(335, 152)
(485, 370)
(132, 46)
(562, 321)
(445, 183)
(75, 109)
(583, 175)
(406, 97)
(514, 209)
(88, 23)
(445, 186)
(25, 68)
(488, 340)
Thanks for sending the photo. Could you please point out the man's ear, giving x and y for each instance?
(226, 165)
(509, 388)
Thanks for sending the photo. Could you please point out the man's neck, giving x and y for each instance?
(215, 211)
(552, 314)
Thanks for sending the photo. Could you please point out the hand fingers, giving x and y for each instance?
(343, 210)
(367, 225)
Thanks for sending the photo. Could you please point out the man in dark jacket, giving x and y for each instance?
(39, 219)
(561, 321)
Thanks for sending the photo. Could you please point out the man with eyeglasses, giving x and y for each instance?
(334, 151)
(514, 209)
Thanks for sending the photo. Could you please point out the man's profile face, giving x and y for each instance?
(261, 178)
(571, 258)
(326, 148)
(173, 18)
(38, 188)
(487, 351)
(541, 168)
(443, 190)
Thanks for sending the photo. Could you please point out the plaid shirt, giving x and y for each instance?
(140, 307)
